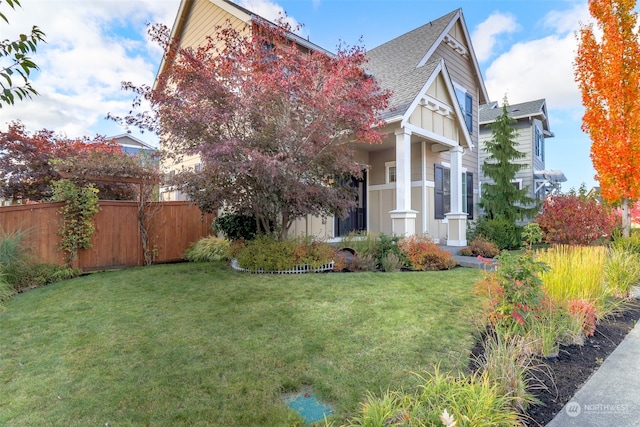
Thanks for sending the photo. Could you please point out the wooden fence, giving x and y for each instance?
(116, 241)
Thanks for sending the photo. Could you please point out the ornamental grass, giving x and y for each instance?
(577, 273)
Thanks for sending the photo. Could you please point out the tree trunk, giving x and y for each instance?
(626, 223)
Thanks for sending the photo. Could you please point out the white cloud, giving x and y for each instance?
(485, 34)
(567, 21)
(536, 69)
(91, 47)
(541, 68)
(269, 10)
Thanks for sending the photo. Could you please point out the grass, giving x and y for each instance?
(199, 344)
(576, 273)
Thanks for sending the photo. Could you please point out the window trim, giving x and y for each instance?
(387, 175)
(466, 105)
(439, 207)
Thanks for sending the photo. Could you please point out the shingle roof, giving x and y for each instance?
(395, 63)
(490, 112)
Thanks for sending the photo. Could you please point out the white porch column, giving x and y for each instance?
(456, 219)
(403, 218)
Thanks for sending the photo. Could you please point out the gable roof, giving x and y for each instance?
(235, 10)
(127, 140)
(525, 110)
(404, 64)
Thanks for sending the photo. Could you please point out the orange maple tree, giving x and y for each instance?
(607, 70)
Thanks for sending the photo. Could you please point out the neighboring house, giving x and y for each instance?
(423, 179)
(133, 146)
(532, 127)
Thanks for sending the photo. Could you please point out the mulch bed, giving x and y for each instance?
(575, 364)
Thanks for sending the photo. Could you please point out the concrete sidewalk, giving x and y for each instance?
(467, 261)
(611, 397)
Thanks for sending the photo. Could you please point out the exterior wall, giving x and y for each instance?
(462, 73)
(316, 226)
(425, 118)
(202, 20)
(525, 140)
(382, 196)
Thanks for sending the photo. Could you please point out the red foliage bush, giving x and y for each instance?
(423, 254)
(575, 220)
(483, 247)
(585, 311)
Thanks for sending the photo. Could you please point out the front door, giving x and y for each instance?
(356, 220)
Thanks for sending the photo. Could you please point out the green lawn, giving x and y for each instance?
(200, 344)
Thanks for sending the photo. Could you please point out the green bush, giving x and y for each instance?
(505, 234)
(235, 226)
(268, 254)
(375, 249)
(210, 248)
(37, 275)
(6, 290)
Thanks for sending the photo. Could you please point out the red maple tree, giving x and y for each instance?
(273, 123)
(607, 69)
(30, 162)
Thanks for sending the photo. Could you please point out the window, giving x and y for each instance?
(390, 172)
(539, 143)
(442, 202)
(517, 183)
(465, 100)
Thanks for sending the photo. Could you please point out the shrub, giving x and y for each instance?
(6, 290)
(514, 291)
(268, 254)
(504, 233)
(423, 254)
(235, 226)
(392, 262)
(37, 275)
(483, 247)
(210, 248)
(585, 315)
(365, 262)
(574, 220)
(532, 234)
(622, 269)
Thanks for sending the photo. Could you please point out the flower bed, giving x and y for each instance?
(298, 269)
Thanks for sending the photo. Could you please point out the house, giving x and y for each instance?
(532, 127)
(132, 145)
(423, 178)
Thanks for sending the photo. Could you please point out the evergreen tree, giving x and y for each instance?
(501, 199)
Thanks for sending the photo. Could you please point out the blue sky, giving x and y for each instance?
(525, 49)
